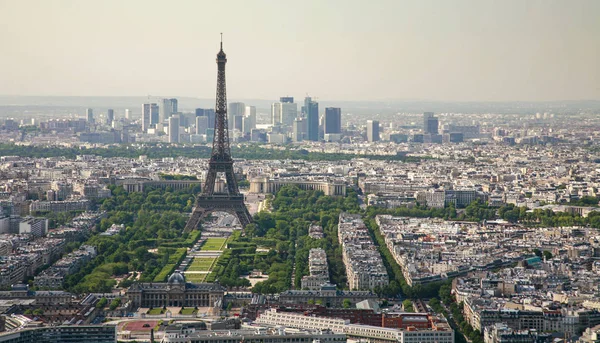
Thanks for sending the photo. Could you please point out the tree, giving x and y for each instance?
(347, 303)
(115, 303)
(407, 305)
(101, 303)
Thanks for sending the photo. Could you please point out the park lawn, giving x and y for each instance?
(188, 311)
(158, 310)
(200, 264)
(195, 277)
(214, 243)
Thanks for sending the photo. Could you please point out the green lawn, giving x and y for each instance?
(195, 277)
(214, 243)
(158, 310)
(189, 310)
(201, 264)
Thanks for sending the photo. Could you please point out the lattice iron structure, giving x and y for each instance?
(220, 162)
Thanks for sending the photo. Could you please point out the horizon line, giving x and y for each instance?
(333, 100)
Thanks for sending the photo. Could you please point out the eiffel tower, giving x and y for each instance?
(220, 162)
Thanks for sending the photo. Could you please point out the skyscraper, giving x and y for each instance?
(89, 114)
(174, 129)
(208, 113)
(201, 125)
(289, 112)
(127, 114)
(299, 129)
(174, 105)
(312, 116)
(333, 120)
(167, 108)
(154, 114)
(286, 99)
(276, 113)
(110, 116)
(164, 110)
(145, 117)
(236, 109)
(372, 130)
(430, 123)
(249, 120)
(149, 112)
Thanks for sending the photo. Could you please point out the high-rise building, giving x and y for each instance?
(145, 117)
(286, 99)
(430, 123)
(249, 120)
(312, 116)
(276, 113)
(167, 108)
(164, 110)
(89, 114)
(289, 112)
(299, 129)
(149, 112)
(110, 116)
(201, 125)
(236, 109)
(209, 113)
(128, 114)
(333, 120)
(174, 129)
(372, 130)
(174, 105)
(154, 114)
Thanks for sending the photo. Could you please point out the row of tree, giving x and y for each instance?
(247, 151)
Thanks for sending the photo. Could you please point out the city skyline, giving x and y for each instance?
(464, 51)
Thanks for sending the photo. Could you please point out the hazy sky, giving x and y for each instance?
(475, 50)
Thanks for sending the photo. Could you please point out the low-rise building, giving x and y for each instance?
(327, 295)
(176, 292)
(364, 266)
(184, 333)
(70, 333)
(500, 333)
(318, 270)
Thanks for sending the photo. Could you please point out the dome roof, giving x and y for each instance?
(176, 278)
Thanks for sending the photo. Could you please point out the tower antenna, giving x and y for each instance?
(221, 40)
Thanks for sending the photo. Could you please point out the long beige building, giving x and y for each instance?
(271, 185)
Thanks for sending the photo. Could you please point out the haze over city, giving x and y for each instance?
(331, 171)
(336, 50)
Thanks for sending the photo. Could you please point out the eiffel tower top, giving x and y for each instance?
(221, 55)
(221, 151)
